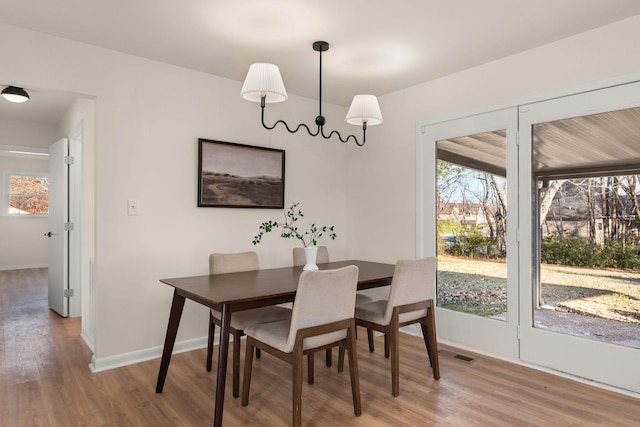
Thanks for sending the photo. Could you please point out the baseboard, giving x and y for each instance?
(117, 361)
(22, 267)
(112, 362)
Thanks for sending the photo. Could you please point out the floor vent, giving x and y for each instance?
(453, 355)
(465, 358)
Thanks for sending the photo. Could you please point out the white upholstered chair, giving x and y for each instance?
(323, 258)
(220, 263)
(410, 301)
(321, 318)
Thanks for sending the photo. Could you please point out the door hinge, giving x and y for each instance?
(68, 160)
(518, 331)
(68, 293)
(68, 226)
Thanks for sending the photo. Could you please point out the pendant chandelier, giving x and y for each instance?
(264, 84)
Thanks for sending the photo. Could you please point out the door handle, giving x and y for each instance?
(48, 234)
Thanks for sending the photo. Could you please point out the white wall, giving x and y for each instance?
(148, 117)
(29, 134)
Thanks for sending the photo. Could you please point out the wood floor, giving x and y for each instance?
(45, 381)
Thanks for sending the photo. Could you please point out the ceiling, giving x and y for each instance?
(591, 145)
(376, 46)
(595, 144)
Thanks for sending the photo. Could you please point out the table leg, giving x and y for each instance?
(223, 356)
(172, 330)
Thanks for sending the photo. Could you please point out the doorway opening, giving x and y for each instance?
(71, 115)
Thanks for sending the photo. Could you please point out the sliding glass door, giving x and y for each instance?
(534, 214)
(470, 221)
(580, 162)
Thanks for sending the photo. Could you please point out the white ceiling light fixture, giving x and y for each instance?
(15, 94)
(264, 84)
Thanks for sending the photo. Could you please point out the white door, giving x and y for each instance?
(58, 236)
(600, 361)
(482, 151)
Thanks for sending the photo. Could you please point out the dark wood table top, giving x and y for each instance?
(263, 287)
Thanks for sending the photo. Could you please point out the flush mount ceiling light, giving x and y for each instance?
(15, 94)
(264, 85)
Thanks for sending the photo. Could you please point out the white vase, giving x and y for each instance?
(310, 254)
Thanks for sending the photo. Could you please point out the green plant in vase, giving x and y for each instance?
(289, 229)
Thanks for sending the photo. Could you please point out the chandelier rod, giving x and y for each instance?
(320, 47)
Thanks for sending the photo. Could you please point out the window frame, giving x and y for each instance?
(6, 192)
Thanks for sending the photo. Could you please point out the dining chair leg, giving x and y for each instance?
(395, 355)
(258, 353)
(433, 342)
(328, 357)
(212, 332)
(248, 367)
(370, 339)
(297, 385)
(236, 364)
(353, 369)
(340, 359)
(386, 346)
(310, 373)
(425, 337)
(433, 355)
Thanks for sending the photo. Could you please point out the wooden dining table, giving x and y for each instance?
(233, 292)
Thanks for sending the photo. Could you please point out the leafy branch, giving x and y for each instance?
(308, 237)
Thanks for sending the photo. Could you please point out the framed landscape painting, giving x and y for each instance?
(239, 176)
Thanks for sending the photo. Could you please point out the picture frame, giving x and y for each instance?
(232, 175)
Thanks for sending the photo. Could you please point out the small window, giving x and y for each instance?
(26, 193)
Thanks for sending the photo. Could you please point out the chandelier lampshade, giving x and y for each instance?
(364, 109)
(264, 80)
